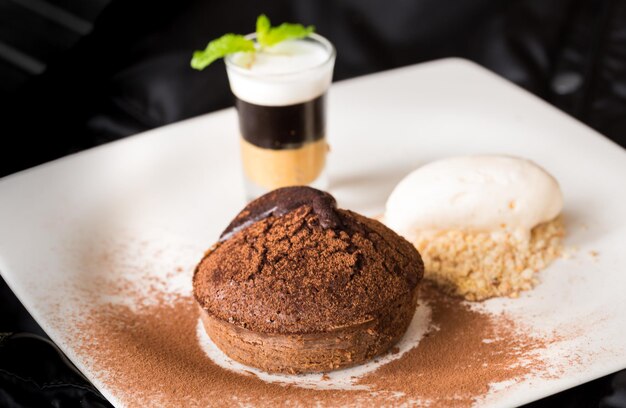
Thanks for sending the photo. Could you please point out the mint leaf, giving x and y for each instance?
(231, 43)
(263, 28)
(267, 35)
(216, 49)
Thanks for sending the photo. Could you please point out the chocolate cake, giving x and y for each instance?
(297, 285)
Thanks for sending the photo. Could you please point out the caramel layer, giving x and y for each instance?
(273, 169)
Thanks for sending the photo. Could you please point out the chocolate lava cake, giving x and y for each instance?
(297, 285)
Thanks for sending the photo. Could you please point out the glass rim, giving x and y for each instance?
(332, 52)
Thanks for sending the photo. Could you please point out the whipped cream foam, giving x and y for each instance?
(287, 73)
(474, 193)
(283, 58)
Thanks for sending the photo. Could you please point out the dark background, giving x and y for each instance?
(78, 73)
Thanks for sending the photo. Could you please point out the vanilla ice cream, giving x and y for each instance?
(484, 225)
(475, 193)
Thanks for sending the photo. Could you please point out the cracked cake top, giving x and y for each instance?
(291, 262)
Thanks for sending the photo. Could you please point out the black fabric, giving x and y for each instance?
(34, 373)
(131, 74)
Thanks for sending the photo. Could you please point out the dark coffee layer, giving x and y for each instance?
(282, 127)
(283, 200)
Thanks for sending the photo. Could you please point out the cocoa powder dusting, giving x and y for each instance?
(149, 355)
(290, 275)
(455, 364)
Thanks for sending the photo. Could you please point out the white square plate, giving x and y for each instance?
(180, 184)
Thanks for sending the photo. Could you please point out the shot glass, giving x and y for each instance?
(280, 96)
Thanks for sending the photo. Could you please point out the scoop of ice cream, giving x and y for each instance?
(292, 262)
(475, 193)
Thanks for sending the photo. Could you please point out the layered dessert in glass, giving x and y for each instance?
(280, 95)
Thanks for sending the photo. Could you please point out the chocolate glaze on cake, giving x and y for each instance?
(283, 200)
(297, 285)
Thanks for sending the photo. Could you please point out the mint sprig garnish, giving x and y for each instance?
(266, 36)
(219, 48)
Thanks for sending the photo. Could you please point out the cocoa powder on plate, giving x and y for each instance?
(150, 355)
(455, 364)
